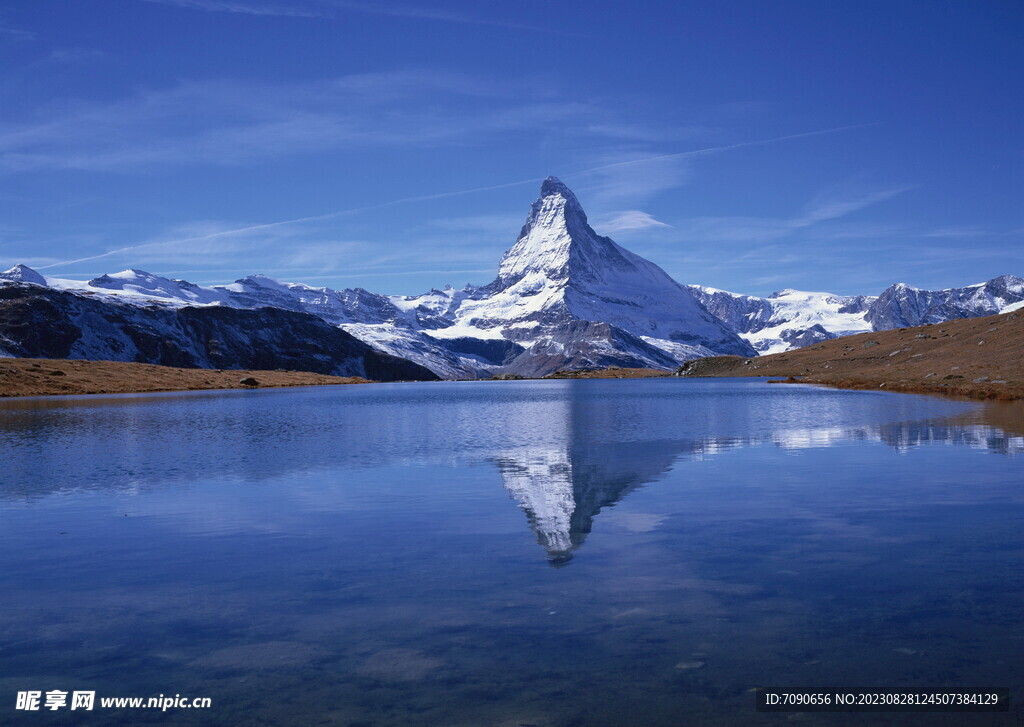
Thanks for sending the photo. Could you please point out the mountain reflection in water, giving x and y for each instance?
(563, 489)
(565, 450)
(365, 554)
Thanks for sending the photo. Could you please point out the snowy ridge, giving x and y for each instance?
(901, 305)
(563, 297)
(22, 274)
(789, 318)
(572, 297)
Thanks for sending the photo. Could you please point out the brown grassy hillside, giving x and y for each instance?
(40, 376)
(977, 357)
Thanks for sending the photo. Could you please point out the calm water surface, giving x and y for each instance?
(546, 553)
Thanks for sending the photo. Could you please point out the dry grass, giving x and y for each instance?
(979, 358)
(40, 377)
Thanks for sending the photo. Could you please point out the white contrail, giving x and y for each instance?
(270, 225)
(442, 195)
(728, 147)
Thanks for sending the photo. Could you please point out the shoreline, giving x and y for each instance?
(40, 377)
(47, 384)
(969, 391)
(980, 359)
(972, 358)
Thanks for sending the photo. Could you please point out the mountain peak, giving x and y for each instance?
(23, 274)
(564, 199)
(554, 185)
(556, 224)
(260, 280)
(133, 273)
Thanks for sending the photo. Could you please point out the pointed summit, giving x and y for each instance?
(23, 274)
(554, 189)
(555, 227)
(554, 185)
(572, 296)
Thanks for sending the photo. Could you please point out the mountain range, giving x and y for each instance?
(564, 297)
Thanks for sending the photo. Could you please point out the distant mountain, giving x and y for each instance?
(792, 319)
(787, 319)
(900, 305)
(40, 322)
(22, 274)
(564, 298)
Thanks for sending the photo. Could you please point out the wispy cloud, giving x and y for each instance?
(833, 207)
(628, 220)
(763, 229)
(404, 273)
(236, 6)
(232, 123)
(335, 9)
(57, 59)
(197, 238)
(325, 256)
(641, 132)
(478, 224)
(632, 176)
(769, 279)
(439, 14)
(825, 210)
(632, 181)
(641, 160)
(13, 35)
(217, 243)
(956, 232)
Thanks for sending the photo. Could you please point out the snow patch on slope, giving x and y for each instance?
(787, 319)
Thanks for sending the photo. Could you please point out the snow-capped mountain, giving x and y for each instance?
(572, 298)
(390, 323)
(22, 274)
(37, 321)
(564, 297)
(787, 319)
(790, 319)
(901, 305)
(140, 284)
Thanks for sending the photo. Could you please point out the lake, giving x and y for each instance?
(549, 553)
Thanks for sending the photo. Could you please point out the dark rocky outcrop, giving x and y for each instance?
(587, 345)
(495, 351)
(45, 323)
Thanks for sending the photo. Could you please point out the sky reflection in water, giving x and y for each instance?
(381, 554)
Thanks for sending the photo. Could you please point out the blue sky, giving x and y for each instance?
(749, 146)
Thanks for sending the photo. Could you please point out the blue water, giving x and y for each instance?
(550, 553)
